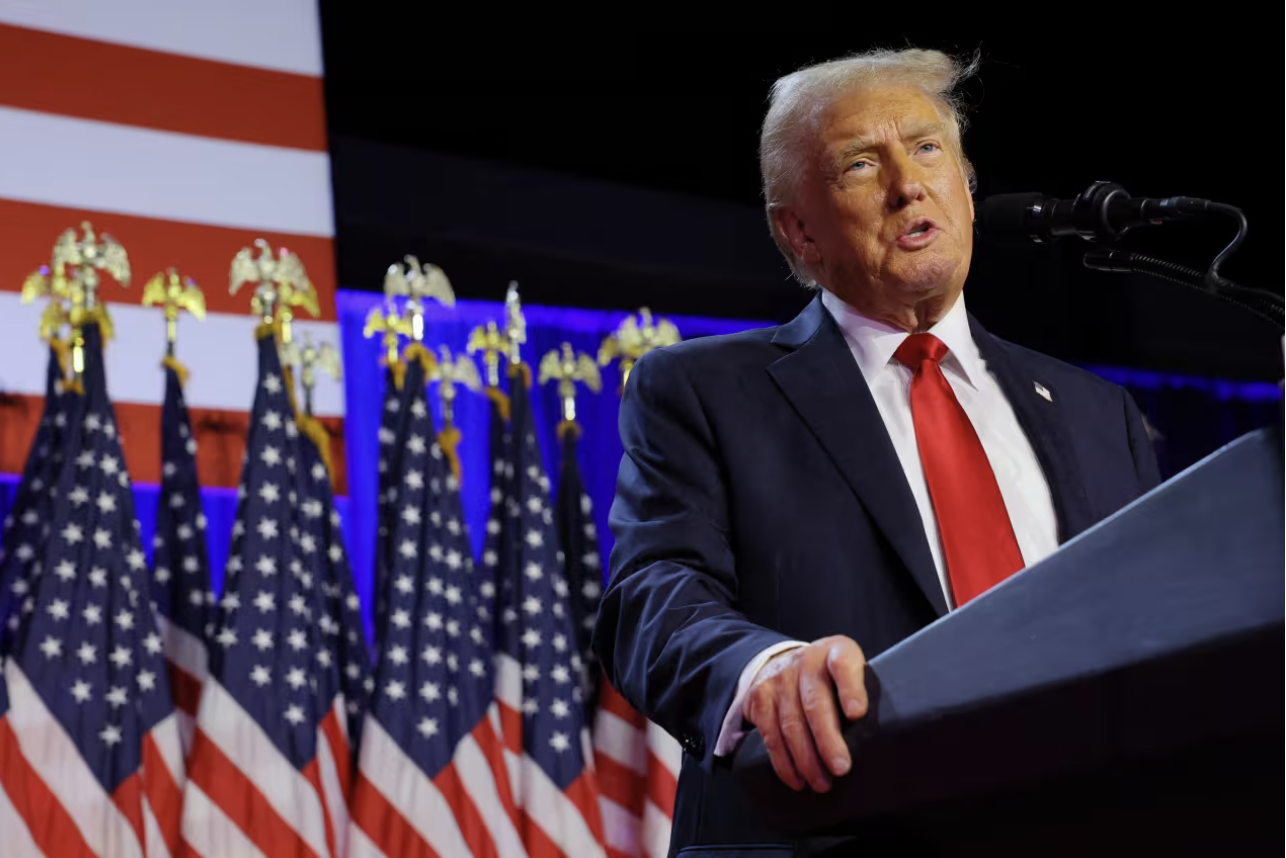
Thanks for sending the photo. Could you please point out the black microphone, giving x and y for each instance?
(1104, 212)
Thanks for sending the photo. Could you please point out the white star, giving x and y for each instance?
(266, 565)
(168, 469)
(559, 742)
(429, 691)
(298, 606)
(227, 636)
(530, 706)
(453, 595)
(72, 533)
(106, 503)
(477, 668)
(530, 672)
(272, 383)
(85, 460)
(262, 639)
(87, 653)
(531, 605)
(308, 544)
(453, 559)
(534, 539)
(118, 696)
(52, 647)
(401, 618)
(65, 570)
(408, 549)
(560, 709)
(271, 421)
(531, 637)
(152, 643)
(98, 576)
(270, 456)
(296, 678)
(533, 572)
(533, 504)
(80, 690)
(411, 515)
(414, 479)
(323, 657)
(111, 735)
(336, 553)
(24, 553)
(260, 675)
(415, 445)
(267, 528)
(297, 639)
(185, 532)
(146, 680)
(177, 500)
(560, 673)
(395, 690)
(125, 620)
(397, 654)
(431, 655)
(404, 584)
(92, 423)
(269, 492)
(109, 465)
(265, 601)
(93, 614)
(121, 657)
(428, 728)
(162, 575)
(295, 714)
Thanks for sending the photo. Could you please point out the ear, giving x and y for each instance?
(792, 231)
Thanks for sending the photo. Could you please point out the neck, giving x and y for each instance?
(913, 317)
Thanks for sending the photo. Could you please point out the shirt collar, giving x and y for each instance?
(873, 342)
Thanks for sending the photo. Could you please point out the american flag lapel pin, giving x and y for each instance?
(1042, 390)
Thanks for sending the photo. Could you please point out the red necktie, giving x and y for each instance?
(978, 542)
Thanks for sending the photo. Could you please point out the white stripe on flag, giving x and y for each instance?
(209, 833)
(247, 747)
(180, 646)
(17, 838)
(161, 174)
(656, 832)
(554, 812)
(409, 791)
(620, 740)
(332, 792)
(360, 846)
(621, 828)
(218, 351)
(54, 757)
(475, 776)
(665, 748)
(284, 35)
(166, 736)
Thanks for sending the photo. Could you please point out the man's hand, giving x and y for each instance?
(792, 702)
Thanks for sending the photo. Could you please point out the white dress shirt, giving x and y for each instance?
(1018, 472)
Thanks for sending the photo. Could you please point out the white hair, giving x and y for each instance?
(786, 142)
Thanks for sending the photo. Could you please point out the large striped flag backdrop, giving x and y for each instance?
(186, 131)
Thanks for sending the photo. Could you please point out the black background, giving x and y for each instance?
(1168, 104)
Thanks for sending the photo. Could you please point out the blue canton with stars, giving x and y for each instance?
(26, 526)
(339, 611)
(180, 564)
(87, 641)
(535, 621)
(267, 645)
(579, 539)
(392, 438)
(434, 680)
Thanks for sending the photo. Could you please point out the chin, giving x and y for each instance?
(927, 276)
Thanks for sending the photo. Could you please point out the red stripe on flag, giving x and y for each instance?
(128, 798)
(472, 828)
(583, 793)
(242, 802)
(71, 76)
(620, 783)
(220, 435)
(485, 735)
(662, 785)
(163, 795)
(51, 827)
(340, 753)
(612, 701)
(382, 823)
(510, 727)
(201, 252)
(538, 843)
(313, 776)
(185, 689)
(613, 852)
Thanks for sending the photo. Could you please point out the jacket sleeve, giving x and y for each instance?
(667, 634)
(1145, 459)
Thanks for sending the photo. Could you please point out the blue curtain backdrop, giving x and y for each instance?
(1194, 416)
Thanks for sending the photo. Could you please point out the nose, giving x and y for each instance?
(905, 182)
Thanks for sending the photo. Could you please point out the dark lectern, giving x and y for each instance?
(1120, 697)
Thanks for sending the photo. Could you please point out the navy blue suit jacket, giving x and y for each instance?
(760, 500)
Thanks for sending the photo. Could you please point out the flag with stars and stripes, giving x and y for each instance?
(26, 525)
(538, 666)
(432, 778)
(269, 766)
(339, 610)
(392, 442)
(180, 564)
(89, 700)
(636, 762)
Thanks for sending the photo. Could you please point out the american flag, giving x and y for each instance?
(392, 437)
(26, 525)
(270, 750)
(637, 763)
(89, 700)
(340, 615)
(432, 777)
(180, 564)
(538, 667)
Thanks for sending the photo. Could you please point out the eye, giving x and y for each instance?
(858, 165)
(930, 147)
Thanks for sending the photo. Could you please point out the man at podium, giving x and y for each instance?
(797, 499)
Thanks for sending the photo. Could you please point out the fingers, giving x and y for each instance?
(818, 702)
(798, 735)
(761, 711)
(846, 665)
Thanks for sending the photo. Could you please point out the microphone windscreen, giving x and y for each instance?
(1004, 217)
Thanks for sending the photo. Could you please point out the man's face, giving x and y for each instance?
(884, 218)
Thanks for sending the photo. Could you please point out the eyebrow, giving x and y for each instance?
(858, 145)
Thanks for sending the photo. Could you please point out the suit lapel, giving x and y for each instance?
(1042, 419)
(823, 383)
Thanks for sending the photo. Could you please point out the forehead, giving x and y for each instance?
(875, 114)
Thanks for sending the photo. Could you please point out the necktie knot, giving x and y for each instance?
(918, 348)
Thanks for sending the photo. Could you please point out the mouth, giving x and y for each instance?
(917, 234)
